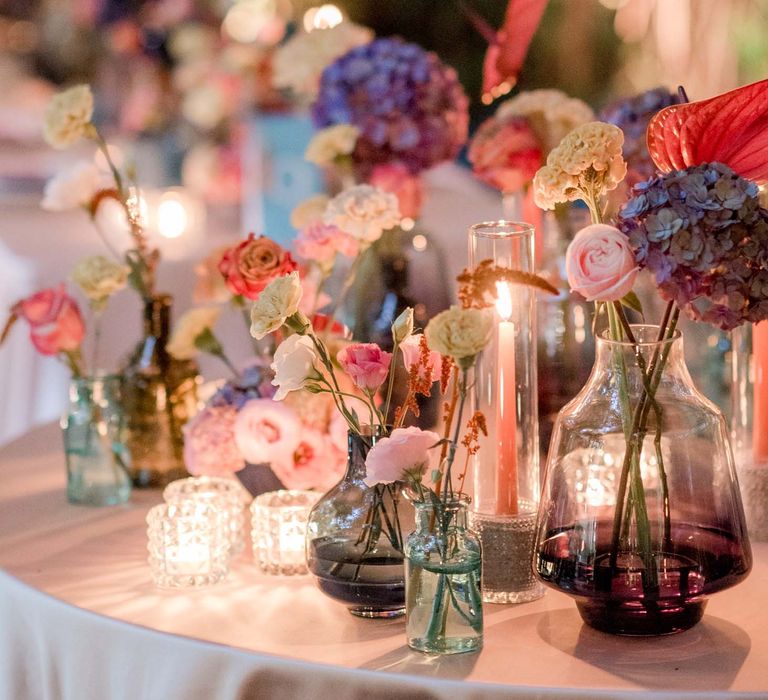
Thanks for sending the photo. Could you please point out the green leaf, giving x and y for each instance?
(631, 301)
(435, 476)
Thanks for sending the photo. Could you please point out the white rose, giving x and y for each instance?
(460, 333)
(67, 116)
(295, 362)
(308, 211)
(278, 301)
(99, 278)
(189, 327)
(331, 143)
(73, 187)
(364, 212)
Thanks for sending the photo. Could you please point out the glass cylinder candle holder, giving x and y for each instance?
(226, 494)
(188, 544)
(506, 468)
(279, 530)
(749, 423)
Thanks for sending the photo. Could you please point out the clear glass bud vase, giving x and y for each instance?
(641, 518)
(443, 597)
(98, 460)
(355, 538)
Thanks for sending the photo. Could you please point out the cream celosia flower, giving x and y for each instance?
(189, 327)
(277, 302)
(309, 210)
(99, 278)
(460, 333)
(67, 116)
(364, 212)
(331, 143)
(586, 164)
(73, 187)
(551, 113)
(299, 63)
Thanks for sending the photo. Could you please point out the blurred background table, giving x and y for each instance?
(80, 610)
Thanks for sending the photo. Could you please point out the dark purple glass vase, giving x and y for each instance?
(641, 518)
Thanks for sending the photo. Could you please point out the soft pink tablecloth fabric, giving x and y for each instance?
(80, 619)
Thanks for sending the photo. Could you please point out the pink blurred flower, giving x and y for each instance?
(396, 179)
(505, 153)
(366, 363)
(314, 463)
(266, 431)
(405, 452)
(411, 348)
(55, 323)
(600, 263)
(320, 242)
(209, 443)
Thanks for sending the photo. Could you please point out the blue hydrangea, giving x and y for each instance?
(408, 105)
(703, 235)
(254, 383)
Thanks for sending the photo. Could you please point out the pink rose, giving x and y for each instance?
(600, 263)
(266, 431)
(315, 463)
(209, 443)
(366, 363)
(505, 154)
(251, 265)
(55, 323)
(411, 348)
(396, 179)
(320, 242)
(405, 452)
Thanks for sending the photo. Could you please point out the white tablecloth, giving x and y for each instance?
(80, 619)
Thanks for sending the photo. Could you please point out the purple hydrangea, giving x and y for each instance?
(254, 383)
(408, 105)
(702, 233)
(632, 115)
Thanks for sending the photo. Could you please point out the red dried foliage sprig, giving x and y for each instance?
(477, 286)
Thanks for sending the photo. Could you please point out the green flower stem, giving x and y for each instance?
(391, 378)
(74, 360)
(447, 485)
(348, 281)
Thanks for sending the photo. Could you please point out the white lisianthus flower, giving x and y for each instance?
(67, 116)
(309, 211)
(73, 187)
(99, 278)
(300, 61)
(364, 212)
(188, 328)
(331, 143)
(275, 304)
(402, 328)
(460, 333)
(295, 363)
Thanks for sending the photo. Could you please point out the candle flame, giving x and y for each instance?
(503, 300)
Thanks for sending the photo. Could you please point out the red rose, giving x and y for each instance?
(253, 264)
(55, 323)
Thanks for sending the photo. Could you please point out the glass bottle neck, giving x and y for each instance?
(647, 348)
(452, 514)
(358, 447)
(157, 317)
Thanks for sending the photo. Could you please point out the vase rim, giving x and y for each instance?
(503, 228)
(98, 377)
(453, 503)
(642, 327)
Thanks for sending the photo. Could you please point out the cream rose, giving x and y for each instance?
(189, 327)
(460, 333)
(99, 278)
(600, 263)
(364, 212)
(67, 116)
(73, 187)
(331, 143)
(295, 362)
(279, 301)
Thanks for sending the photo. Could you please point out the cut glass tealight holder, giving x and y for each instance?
(188, 544)
(279, 530)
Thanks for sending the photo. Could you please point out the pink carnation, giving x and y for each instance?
(600, 263)
(396, 179)
(405, 451)
(209, 443)
(320, 242)
(366, 363)
(505, 154)
(411, 348)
